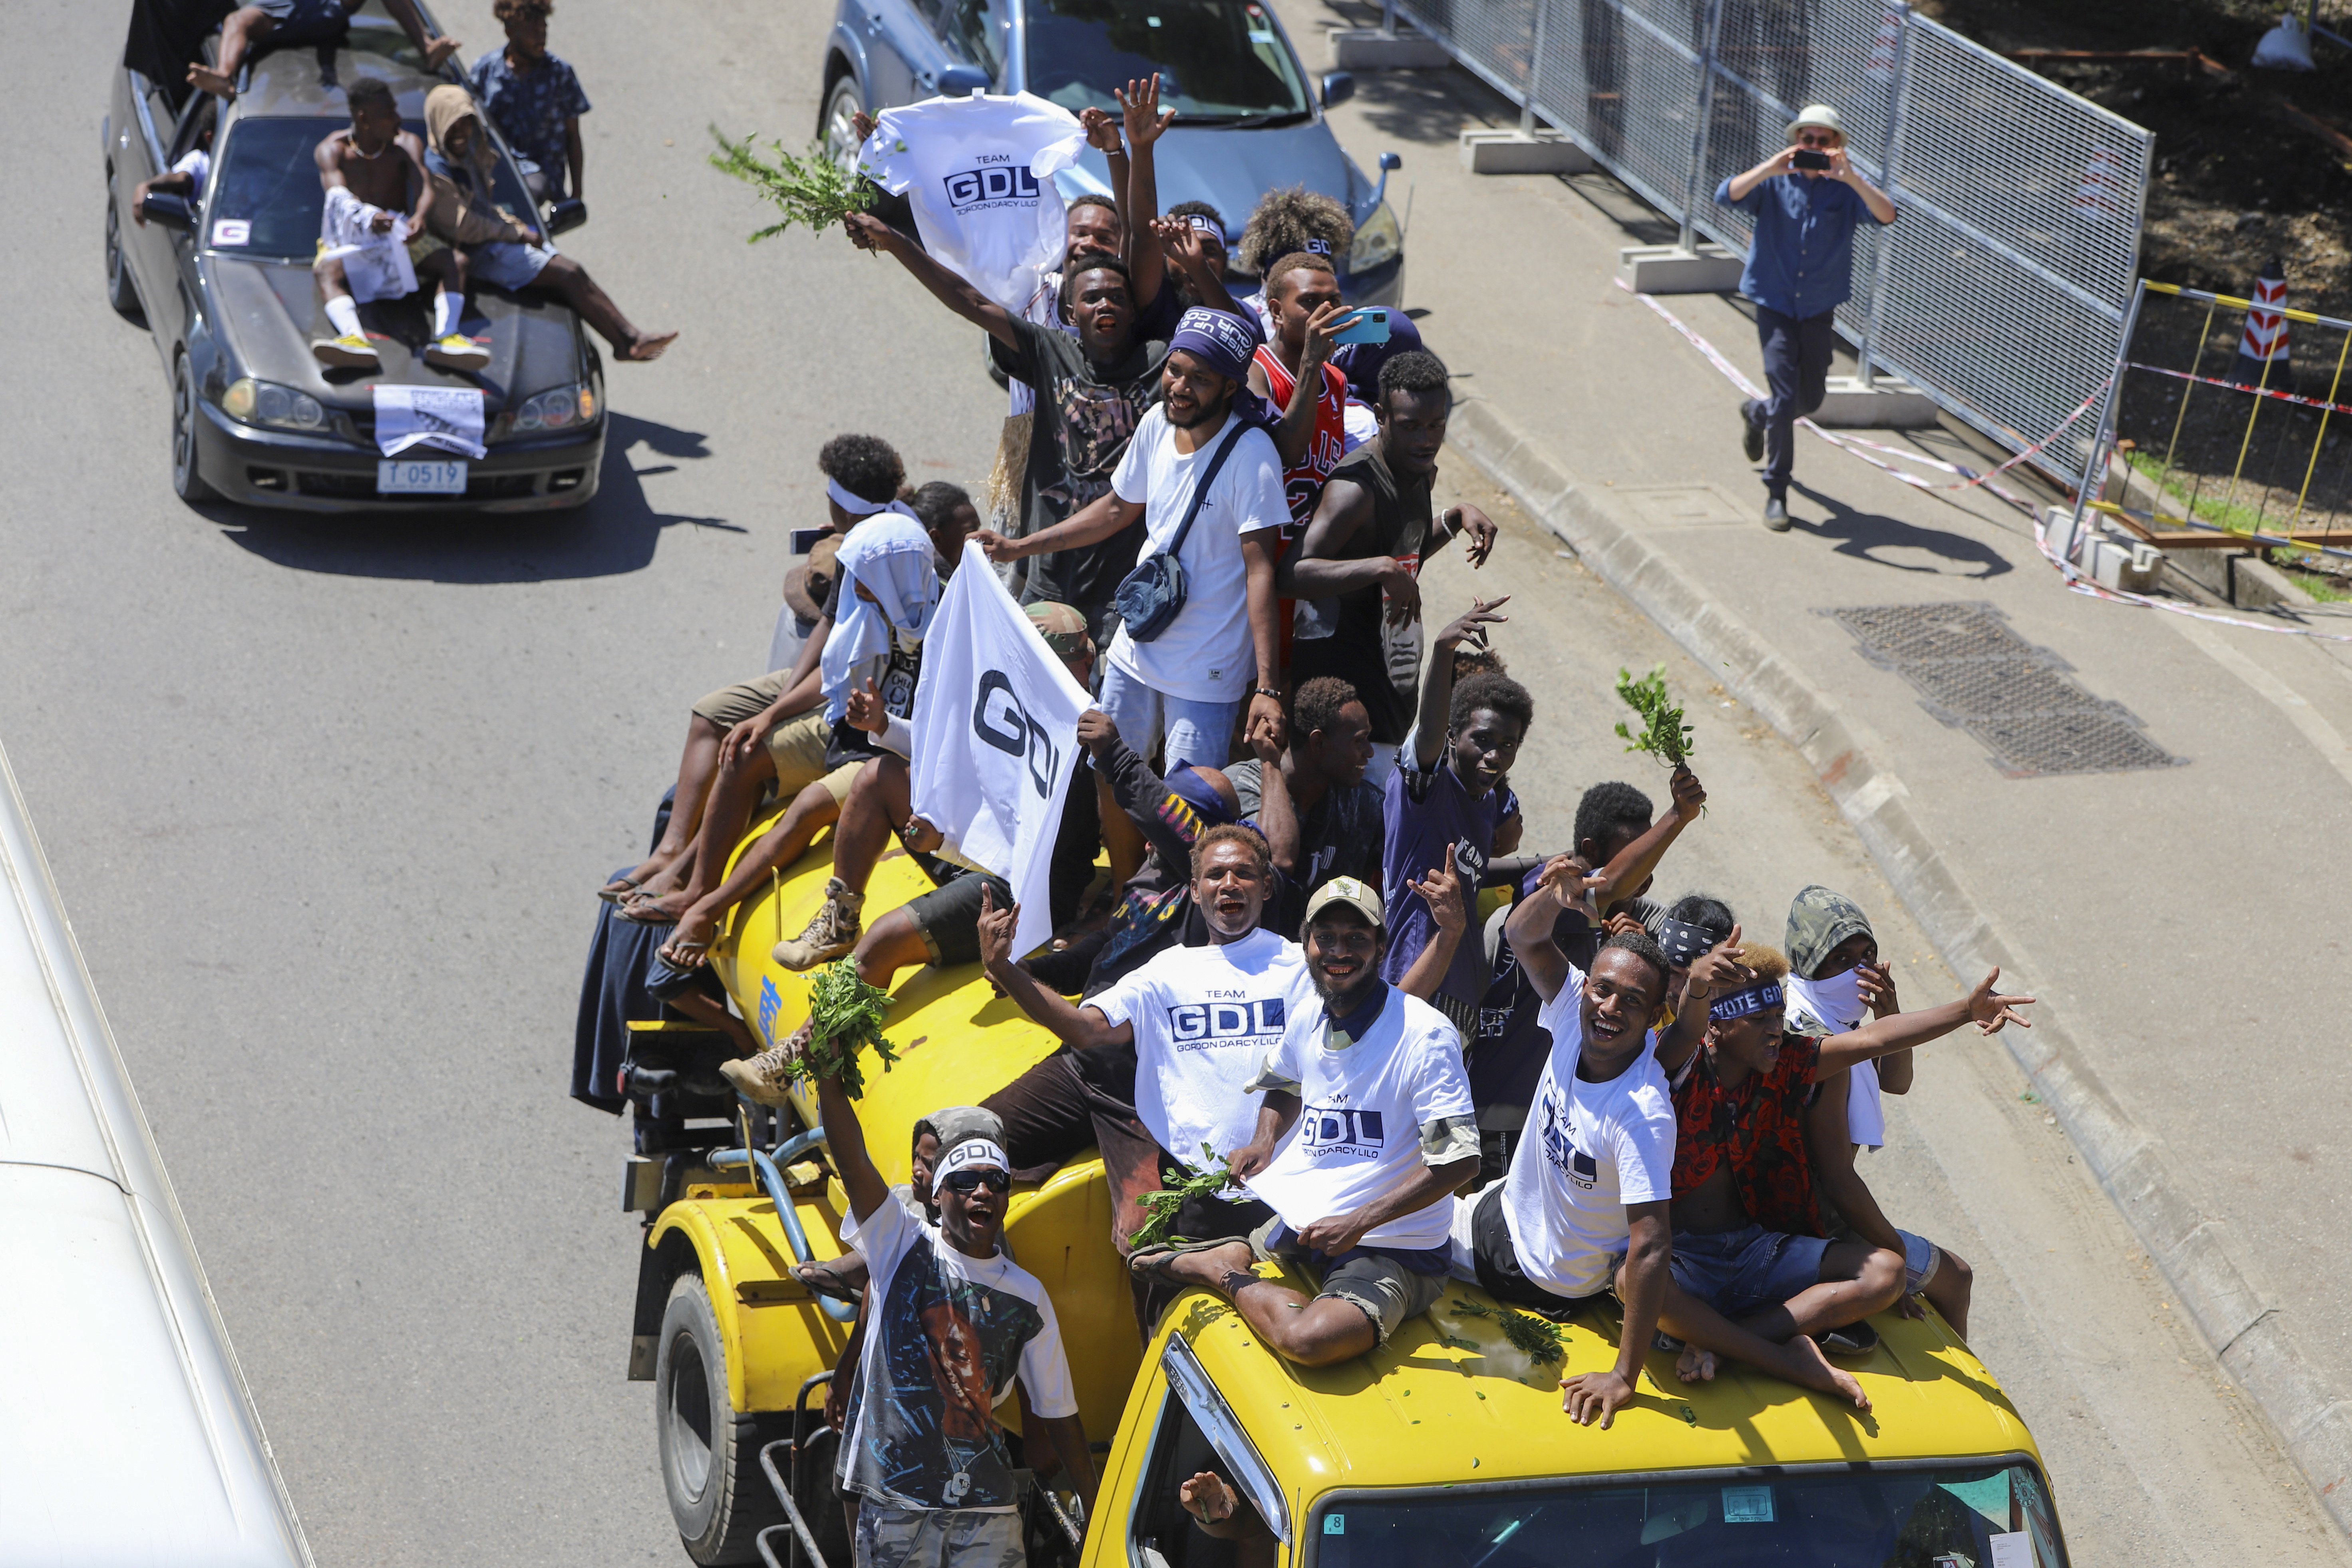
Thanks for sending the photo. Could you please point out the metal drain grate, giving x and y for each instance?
(1976, 674)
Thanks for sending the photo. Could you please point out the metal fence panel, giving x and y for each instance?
(2000, 291)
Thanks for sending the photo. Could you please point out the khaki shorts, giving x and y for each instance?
(732, 705)
(797, 748)
(1372, 1281)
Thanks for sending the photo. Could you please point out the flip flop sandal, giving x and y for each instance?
(644, 913)
(613, 895)
(1154, 1259)
(821, 1279)
(685, 955)
(1854, 1339)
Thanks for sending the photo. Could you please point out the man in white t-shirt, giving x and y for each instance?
(951, 1322)
(1583, 1207)
(1186, 686)
(1371, 1077)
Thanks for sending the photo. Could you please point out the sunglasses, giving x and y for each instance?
(966, 1182)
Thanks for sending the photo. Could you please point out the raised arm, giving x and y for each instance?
(1737, 186)
(1188, 253)
(1568, 884)
(845, 1142)
(1987, 1010)
(1429, 731)
(1442, 893)
(1296, 434)
(869, 233)
(1081, 1027)
(1881, 206)
(1147, 263)
(1091, 524)
(1277, 814)
(1712, 974)
(1638, 861)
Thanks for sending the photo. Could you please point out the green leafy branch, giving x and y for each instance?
(810, 190)
(1662, 733)
(1162, 1205)
(844, 1018)
(1532, 1337)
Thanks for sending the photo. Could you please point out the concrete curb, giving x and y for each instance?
(2228, 1304)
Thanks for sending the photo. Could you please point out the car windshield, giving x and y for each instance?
(1219, 60)
(1842, 1518)
(264, 198)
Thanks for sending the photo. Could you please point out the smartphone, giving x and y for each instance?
(805, 538)
(1368, 324)
(1807, 158)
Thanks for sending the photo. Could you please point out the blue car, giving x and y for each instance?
(1248, 119)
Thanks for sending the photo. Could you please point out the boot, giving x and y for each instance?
(833, 931)
(763, 1079)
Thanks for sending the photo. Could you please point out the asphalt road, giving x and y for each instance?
(327, 802)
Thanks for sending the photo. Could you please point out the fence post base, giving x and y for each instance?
(1704, 268)
(1517, 153)
(1885, 404)
(2126, 565)
(1371, 49)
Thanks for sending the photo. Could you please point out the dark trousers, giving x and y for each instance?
(1797, 356)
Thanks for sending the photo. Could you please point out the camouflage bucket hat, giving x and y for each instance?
(1064, 629)
(956, 1124)
(1818, 920)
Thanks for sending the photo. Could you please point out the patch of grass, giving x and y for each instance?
(2327, 589)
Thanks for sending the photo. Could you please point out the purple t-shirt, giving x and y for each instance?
(1426, 812)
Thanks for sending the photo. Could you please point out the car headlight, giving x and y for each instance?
(560, 409)
(251, 401)
(1378, 241)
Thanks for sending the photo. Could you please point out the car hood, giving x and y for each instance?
(268, 312)
(1230, 169)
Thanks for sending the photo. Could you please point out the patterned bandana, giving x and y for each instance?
(1683, 944)
(1217, 340)
(1762, 998)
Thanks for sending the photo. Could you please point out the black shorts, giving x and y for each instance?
(1497, 1262)
(298, 22)
(949, 915)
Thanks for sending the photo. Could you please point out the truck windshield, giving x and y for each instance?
(264, 198)
(1843, 1517)
(1220, 61)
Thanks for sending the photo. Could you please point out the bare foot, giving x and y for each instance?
(1695, 1365)
(1811, 1369)
(648, 346)
(210, 80)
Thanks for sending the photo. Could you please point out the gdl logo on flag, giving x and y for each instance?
(1006, 181)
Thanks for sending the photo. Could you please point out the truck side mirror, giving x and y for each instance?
(1339, 87)
(962, 81)
(171, 210)
(566, 216)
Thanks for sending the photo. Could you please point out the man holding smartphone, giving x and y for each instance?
(1806, 199)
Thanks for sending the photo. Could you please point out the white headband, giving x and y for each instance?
(855, 506)
(973, 1152)
(1204, 223)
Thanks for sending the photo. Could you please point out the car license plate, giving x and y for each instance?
(409, 477)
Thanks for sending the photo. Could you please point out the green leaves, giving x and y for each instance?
(1531, 1336)
(1162, 1205)
(810, 190)
(845, 1016)
(1662, 733)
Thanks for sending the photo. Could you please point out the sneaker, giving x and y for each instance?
(1751, 433)
(1776, 515)
(349, 352)
(763, 1079)
(833, 931)
(456, 352)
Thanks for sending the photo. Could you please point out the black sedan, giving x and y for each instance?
(223, 283)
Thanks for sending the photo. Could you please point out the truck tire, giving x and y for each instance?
(709, 1453)
(121, 292)
(188, 477)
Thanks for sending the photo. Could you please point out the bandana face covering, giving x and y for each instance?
(1835, 1002)
(1742, 1003)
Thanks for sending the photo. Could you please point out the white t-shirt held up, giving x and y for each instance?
(1204, 1018)
(1205, 655)
(1362, 1111)
(1589, 1149)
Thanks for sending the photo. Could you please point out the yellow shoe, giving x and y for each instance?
(456, 352)
(350, 350)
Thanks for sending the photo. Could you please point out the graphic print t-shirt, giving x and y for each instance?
(945, 1338)
(1204, 1018)
(1362, 1111)
(1085, 418)
(978, 173)
(1427, 813)
(1589, 1149)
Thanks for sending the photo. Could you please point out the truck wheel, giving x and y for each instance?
(836, 128)
(186, 482)
(121, 292)
(710, 1455)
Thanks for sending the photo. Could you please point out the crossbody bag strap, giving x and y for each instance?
(1208, 477)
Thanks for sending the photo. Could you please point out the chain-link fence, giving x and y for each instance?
(2000, 291)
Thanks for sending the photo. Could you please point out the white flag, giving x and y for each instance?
(995, 731)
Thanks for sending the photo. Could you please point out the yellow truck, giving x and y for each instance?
(1447, 1446)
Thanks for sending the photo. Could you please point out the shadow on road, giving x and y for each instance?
(615, 533)
(1868, 536)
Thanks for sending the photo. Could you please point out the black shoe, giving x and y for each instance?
(1854, 1339)
(1751, 435)
(1776, 515)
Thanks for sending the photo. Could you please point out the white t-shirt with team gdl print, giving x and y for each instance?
(1204, 1018)
(1363, 1109)
(978, 173)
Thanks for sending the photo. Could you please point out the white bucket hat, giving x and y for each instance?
(1819, 115)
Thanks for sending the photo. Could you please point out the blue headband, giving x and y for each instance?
(1762, 998)
(1217, 340)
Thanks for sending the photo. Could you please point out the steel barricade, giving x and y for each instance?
(2001, 292)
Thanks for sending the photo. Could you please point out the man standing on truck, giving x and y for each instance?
(953, 1323)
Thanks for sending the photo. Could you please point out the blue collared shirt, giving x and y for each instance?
(1801, 263)
(529, 109)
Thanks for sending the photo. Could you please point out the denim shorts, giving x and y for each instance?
(298, 22)
(1921, 1258)
(503, 264)
(1738, 1271)
(1201, 734)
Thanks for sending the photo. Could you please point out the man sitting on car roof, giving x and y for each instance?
(289, 24)
(373, 241)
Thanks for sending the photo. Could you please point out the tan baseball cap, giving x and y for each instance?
(1820, 116)
(806, 588)
(1349, 892)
